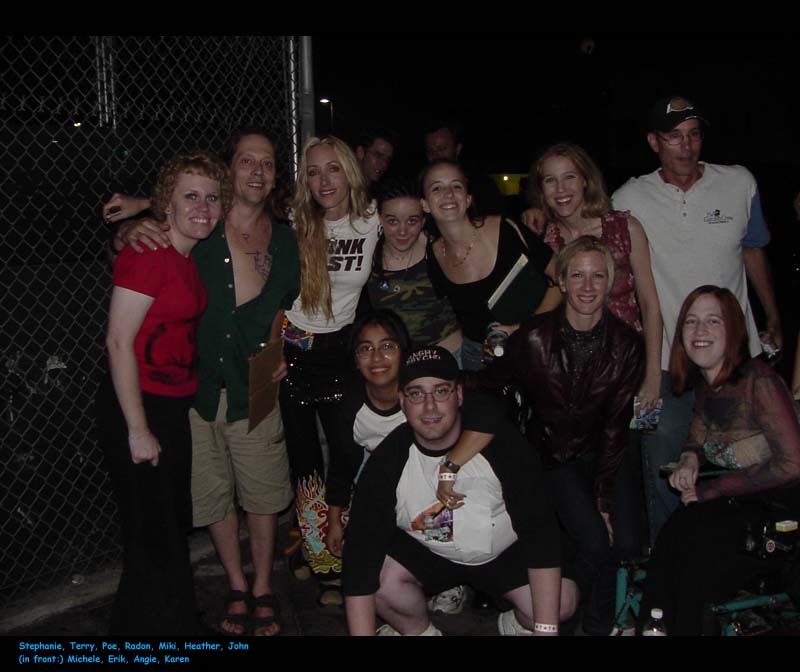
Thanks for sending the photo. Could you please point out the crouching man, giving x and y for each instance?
(401, 542)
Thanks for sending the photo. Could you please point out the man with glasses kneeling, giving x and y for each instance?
(401, 542)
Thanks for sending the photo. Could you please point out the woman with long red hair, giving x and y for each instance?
(744, 421)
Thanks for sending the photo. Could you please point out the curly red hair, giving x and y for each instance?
(198, 162)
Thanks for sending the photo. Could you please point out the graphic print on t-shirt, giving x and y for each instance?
(346, 255)
(171, 351)
(435, 523)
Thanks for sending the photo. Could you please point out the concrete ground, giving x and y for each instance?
(82, 608)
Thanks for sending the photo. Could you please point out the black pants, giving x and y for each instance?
(314, 387)
(156, 589)
(571, 488)
(698, 559)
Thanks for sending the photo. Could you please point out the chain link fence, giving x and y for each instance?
(80, 118)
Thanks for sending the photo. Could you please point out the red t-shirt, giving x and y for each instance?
(166, 345)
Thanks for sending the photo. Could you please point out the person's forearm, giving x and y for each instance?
(469, 444)
(757, 268)
(550, 301)
(653, 328)
(552, 297)
(125, 376)
(360, 615)
(141, 202)
(647, 296)
(334, 514)
(277, 323)
(546, 595)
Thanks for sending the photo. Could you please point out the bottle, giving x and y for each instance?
(495, 343)
(655, 626)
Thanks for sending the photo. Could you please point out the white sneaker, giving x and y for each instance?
(509, 626)
(387, 630)
(450, 601)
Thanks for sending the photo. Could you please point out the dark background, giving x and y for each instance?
(516, 94)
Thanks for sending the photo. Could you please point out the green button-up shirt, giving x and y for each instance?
(228, 334)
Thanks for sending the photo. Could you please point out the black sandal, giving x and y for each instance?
(267, 600)
(239, 620)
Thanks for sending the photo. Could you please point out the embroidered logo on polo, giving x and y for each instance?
(346, 255)
(716, 217)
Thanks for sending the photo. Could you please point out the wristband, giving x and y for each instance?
(544, 627)
(447, 476)
(452, 466)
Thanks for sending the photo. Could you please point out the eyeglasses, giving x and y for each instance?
(416, 395)
(676, 137)
(387, 349)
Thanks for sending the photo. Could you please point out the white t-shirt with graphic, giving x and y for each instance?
(350, 249)
(474, 534)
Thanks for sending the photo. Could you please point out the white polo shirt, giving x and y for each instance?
(696, 237)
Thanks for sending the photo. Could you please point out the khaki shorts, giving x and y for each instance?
(228, 464)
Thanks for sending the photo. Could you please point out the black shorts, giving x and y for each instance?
(506, 572)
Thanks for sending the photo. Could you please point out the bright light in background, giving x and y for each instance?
(76, 124)
(329, 103)
(505, 178)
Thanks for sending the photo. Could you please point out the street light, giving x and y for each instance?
(329, 103)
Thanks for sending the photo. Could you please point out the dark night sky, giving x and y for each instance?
(516, 94)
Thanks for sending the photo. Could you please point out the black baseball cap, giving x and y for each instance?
(433, 361)
(668, 112)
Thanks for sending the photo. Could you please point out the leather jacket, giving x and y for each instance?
(574, 414)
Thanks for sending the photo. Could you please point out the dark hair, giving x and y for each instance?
(684, 372)
(396, 187)
(370, 135)
(387, 190)
(472, 211)
(278, 199)
(390, 321)
(446, 124)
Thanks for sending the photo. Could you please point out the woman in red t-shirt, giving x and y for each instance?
(156, 303)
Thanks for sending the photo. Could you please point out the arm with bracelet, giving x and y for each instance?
(480, 416)
(479, 426)
(119, 210)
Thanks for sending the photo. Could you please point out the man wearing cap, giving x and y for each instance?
(705, 226)
(401, 542)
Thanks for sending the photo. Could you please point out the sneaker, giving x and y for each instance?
(450, 601)
(509, 626)
(387, 630)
